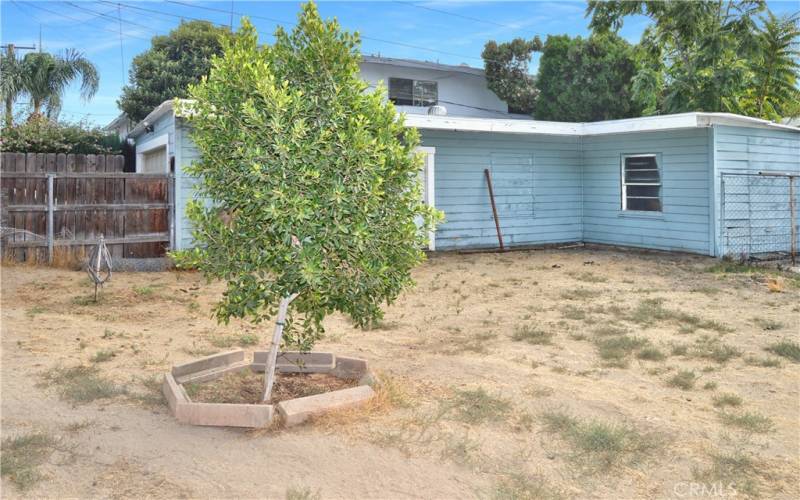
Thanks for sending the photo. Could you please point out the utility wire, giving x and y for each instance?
(118, 17)
(454, 14)
(61, 14)
(364, 37)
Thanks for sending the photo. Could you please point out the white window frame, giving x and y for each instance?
(154, 143)
(430, 194)
(624, 185)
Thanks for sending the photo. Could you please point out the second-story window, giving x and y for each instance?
(407, 92)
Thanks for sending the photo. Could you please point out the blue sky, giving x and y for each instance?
(446, 31)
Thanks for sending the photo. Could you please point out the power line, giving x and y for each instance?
(365, 37)
(113, 18)
(454, 14)
(61, 14)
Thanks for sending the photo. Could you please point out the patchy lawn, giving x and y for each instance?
(544, 374)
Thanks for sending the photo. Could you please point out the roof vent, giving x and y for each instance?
(437, 111)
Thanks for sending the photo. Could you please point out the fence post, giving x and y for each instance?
(793, 219)
(50, 222)
(171, 212)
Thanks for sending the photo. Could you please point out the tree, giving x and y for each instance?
(507, 73)
(774, 93)
(11, 83)
(308, 190)
(42, 135)
(586, 79)
(707, 55)
(172, 63)
(46, 76)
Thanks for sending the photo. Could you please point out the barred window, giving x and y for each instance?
(641, 183)
(406, 92)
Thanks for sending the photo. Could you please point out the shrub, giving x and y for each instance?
(45, 136)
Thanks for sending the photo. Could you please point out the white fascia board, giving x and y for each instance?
(504, 126)
(643, 124)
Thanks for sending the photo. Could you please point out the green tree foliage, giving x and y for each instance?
(172, 63)
(43, 78)
(42, 135)
(709, 55)
(308, 183)
(11, 83)
(773, 93)
(586, 79)
(507, 73)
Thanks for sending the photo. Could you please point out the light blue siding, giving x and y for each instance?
(184, 183)
(683, 223)
(536, 182)
(763, 206)
(559, 189)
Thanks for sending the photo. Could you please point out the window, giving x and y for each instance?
(641, 183)
(405, 92)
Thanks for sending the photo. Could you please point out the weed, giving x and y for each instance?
(460, 450)
(580, 294)
(651, 354)
(33, 311)
(599, 444)
(572, 312)
(710, 386)
(735, 469)
(763, 362)
(524, 487)
(609, 330)
(82, 384)
(78, 426)
(21, 455)
(107, 334)
(684, 379)
(787, 349)
(476, 406)
(768, 325)
(715, 350)
(651, 311)
(144, 291)
(531, 335)
(618, 348)
(750, 422)
(223, 341)
(102, 356)
(302, 493)
(726, 266)
(588, 277)
(706, 290)
(727, 399)
(680, 349)
(247, 339)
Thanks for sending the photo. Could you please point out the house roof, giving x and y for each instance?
(413, 63)
(512, 126)
(643, 124)
(116, 121)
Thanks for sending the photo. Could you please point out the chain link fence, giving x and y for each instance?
(759, 216)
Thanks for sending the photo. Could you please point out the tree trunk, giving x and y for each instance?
(272, 357)
(9, 112)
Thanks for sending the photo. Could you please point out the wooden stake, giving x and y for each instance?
(272, 357)
(494, 208)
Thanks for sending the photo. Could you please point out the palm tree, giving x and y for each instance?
(46, 76)
(11, 84)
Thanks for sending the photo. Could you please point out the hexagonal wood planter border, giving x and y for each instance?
(293, 411)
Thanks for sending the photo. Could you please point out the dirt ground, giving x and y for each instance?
(582, 373)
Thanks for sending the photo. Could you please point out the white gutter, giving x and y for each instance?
(162, 109)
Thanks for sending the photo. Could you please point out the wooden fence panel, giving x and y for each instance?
(91, 197)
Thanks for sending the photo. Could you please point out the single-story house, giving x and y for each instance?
(706, 183)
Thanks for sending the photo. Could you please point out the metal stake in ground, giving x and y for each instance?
(99, 265)
(269, 368)
(494, 208)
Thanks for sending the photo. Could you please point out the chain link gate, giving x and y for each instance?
(759, 216)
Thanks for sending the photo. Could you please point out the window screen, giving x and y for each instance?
(406, 92)
(641, 183)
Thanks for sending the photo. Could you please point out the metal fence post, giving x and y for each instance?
(793, 219)
(50, 222)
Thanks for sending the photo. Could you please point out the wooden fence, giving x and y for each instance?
(51, 201)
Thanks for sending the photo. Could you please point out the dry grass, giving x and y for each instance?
(22, 455)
